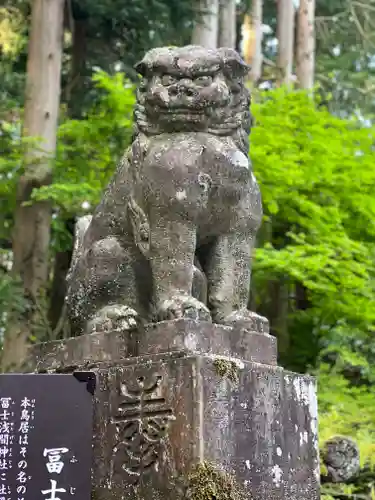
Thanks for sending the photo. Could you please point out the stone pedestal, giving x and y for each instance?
(194, 410)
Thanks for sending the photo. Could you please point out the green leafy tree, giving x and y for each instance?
(113, 35)
(316, 179)
(318, 236)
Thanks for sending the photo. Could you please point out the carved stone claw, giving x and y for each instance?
(182, 306)
(113, 318)
(248, 320)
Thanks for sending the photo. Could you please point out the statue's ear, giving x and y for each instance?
(141, 67)
(233, 64)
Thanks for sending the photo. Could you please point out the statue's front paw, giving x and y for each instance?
(248, 320)
(113, 318)
(183, 307)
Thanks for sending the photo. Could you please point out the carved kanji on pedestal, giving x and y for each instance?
(142, 421)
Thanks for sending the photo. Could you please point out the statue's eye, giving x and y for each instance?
(203, 80)
(168, 80)
(236, 81)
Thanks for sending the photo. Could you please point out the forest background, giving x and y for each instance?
(65, 123)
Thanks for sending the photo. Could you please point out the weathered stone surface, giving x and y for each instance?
(156, 419)
(183, 335)
(186, 408)
(341, 457)
(174, 232)
(251, 426)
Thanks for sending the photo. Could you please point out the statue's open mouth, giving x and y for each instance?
(179, 110)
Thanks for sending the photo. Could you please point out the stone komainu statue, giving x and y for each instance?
(173, 234)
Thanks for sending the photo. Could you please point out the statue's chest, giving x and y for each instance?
(230, 175)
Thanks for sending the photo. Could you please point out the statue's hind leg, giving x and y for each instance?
(103, 293)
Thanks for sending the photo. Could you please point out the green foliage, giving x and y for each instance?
(115, 35)
(10, 165)
(11, 298)
(11, 31)
(317, 180)
(346, 410)
(89, 148)
(88, 151)
(136, 25)
(332, 491)
(13, 42)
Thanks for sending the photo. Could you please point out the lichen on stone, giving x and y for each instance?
(341, 457)
(208, 482)
(226, 369)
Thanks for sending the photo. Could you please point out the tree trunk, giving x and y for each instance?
(285, 36)
(58, 286)
(206, 28)
(73, 93)
(247, 40)
(302, 301)
(257, 59)
(227, 32)
(306, 44)
(75, 89)
(31, 237)
(281, 321)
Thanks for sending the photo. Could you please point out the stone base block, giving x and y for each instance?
(195, 411)
(253, 427)
(181, 335)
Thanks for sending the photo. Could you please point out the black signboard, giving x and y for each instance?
(46, 436)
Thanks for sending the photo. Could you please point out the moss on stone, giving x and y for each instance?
(226, 369)
(207, 482)
(323, 468)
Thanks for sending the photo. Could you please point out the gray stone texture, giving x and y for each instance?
(171, 406)
(341, 457)
(173, 234)
(157, 300)
(156, 338)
